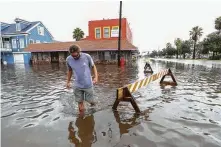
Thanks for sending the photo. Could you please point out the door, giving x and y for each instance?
(101, 56)
(54, 57)
(107, 55)
(18, 58)
(66, 55)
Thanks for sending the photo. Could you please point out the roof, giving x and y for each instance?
(107, 19)
(86, 45)
(11, 28)
(56, 41)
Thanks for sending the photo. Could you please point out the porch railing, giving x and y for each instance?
(5, 49)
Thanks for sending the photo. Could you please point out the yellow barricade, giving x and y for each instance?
(148, 68)
(124, 93)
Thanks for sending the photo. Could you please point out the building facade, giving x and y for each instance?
(101, 44)
(108, 29)
(17, 36)
(102, 51)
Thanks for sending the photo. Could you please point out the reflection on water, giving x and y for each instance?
(125, 123)
(84, 134)
(39, 111)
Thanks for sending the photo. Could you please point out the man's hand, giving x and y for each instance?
(95, 80)
(69, 75)
(68, 85)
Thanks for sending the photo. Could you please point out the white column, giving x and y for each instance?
(1, 43)
(26, 38)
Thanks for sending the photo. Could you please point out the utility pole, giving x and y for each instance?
(119, 34)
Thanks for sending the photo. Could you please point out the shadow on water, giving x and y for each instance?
(34, 101)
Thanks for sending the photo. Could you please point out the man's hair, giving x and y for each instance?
(74, 48)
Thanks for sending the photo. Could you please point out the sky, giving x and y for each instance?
(153, 23)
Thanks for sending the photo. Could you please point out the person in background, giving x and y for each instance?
(81, 64)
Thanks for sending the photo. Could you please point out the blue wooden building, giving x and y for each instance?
(17, 36)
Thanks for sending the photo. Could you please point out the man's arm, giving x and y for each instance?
(95, 74)
(92, 65)
(69, 75)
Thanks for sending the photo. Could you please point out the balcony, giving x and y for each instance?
(5, 46)
(5, 49)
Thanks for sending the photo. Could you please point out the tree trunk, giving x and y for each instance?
(199, 55)
(213, 54)
(194, 49)
(184, 55)
(177, 54)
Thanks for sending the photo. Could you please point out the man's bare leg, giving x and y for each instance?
(81, 107)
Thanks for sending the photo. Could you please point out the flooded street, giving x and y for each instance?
(37, 110)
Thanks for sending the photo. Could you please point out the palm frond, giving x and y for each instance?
(78, 34)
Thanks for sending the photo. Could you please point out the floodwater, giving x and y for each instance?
(37, 110)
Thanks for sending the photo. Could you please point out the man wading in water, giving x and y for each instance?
(81, 64)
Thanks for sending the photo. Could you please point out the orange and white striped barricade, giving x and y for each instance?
(125, 93)
(148, 68)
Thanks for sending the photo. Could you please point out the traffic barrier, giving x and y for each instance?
(148, 68)
(125, 93)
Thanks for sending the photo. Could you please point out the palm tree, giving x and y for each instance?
(78, 34)
(195, 34)
(178, 43)
(218, 24)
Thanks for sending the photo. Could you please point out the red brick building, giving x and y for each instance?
(108, 29)
(101, 44)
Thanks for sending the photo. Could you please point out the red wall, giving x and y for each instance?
(125, 34)
(129, 35)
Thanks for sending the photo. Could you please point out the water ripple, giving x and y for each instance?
(34, 98)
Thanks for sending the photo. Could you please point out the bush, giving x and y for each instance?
(169, 57)
(216, 57)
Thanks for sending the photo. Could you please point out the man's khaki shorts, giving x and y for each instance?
(84, 94)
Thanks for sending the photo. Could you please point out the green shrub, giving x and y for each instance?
(216, 57)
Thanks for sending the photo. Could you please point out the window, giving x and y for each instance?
(113, 55)
(41, 30)
(114, 31)
(5, 39)
(6, 45)
(31, 41)
(115, 28)
(22, 44)
(38, 41)
(18, 27)
(1, 44)
(101, 56)
(98, 33)
(14, 44)
(106, 32)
